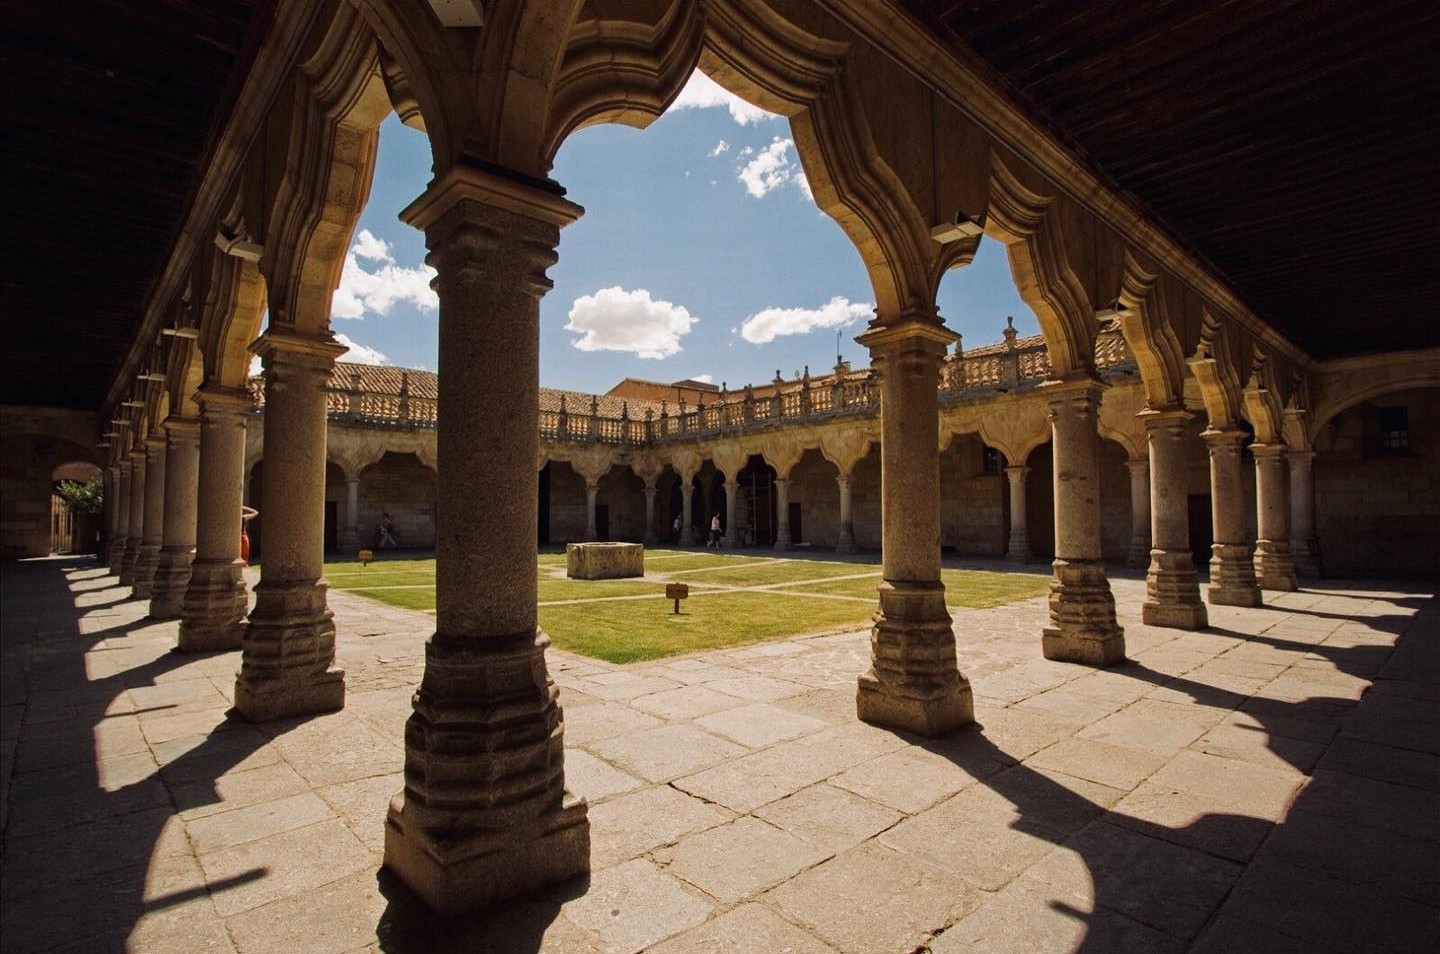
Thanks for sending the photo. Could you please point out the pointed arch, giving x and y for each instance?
(1217, 372)
(1144, 314)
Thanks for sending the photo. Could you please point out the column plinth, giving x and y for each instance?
(914, 682)
(288, 649)
(1304, 544)
(845, 541)
(122, 518)
(485, 813)
(1232, 571)
(350, 537)
(1172, 585)
(782, 513)
(649, 538)
(135, 515)
(172, 571)
(216, 599)
(1082, 609)
(1138, 556)
(147, 558)
(1017, 548)
(1274, 568)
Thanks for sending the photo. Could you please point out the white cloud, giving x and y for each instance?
(772, 168)
(358, 353)
(701, 92)
(771, 323)
(375, 292)
(369, 246)
(703, 378)
(720, 149)
(257, 367)
(614, 319)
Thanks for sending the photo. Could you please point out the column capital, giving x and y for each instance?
(1076, 389)
(1137, 465)
(154, 444)
(181, 428)
(494, 186)
(1223, 435)
(1275, 452)
(1164, 417)
(283, 345)
(843, 478)
(214, 399)
(1016, 471)
(1301, 457)
(910, 333)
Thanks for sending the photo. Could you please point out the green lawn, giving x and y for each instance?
(629, 630)
(634, 630)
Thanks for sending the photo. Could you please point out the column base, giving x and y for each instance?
(1172, 590)
(127, 562)
(1274, 569)
(350, 542)
(1305, 555)
(846, 541)
(213, 616)
(1082, 616)
(1138, 556)
(1232, 576)
(172, 578)
(472, 872)
(782, 540)
(116, 555)
(1017, 550)
(147, 560)
(485, 814)
(914, 683)
(289, 646)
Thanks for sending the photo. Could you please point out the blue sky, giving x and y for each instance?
(700, 254)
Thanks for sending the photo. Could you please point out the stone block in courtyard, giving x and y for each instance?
(604, 561)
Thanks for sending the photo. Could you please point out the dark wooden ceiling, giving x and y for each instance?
(1294, 144)
(110, 107)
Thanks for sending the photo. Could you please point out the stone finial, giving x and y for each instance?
(594, 405)
(959, 345)
(624, 410)
(563, 408)
(1010, 333)
(778, 379)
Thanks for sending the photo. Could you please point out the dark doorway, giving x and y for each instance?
(797, 530)
(602, 521)
(756, 488)
(332, 525)
(1202, 529)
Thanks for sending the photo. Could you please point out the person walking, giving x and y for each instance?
(715, 531)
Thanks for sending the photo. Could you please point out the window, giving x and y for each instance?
(1394, 429)
(991, 461)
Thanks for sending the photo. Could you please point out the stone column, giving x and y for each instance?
(1232, 572)
(1273, 566)
(913, 682)
(687, 516)
(707, 506)
(216, 600)
(350, 538)
(485, 813)
(182, 464)
(289, 647)
(649, 538)
(135, 514)
(846, 541)
(1172, 587)
(121, 505)
(782, 513)
(108, 478)
(1139, 554)
(732, 494)
(592, 497)
(153, 537)
(1082, 610)
(1018, 548)
(1304, 545)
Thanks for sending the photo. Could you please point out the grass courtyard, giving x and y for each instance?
(734, 599)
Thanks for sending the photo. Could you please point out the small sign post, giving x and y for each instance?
(677, 592)
(366, 556)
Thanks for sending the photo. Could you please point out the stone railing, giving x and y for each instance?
(805, 401)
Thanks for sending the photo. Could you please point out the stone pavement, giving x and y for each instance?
(1269, 784)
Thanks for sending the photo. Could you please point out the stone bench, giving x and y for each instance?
(604, 561)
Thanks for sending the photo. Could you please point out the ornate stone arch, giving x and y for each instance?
(1264, 407)
(339, 100)
(1025, 221)
(1217, 372)
(1144, 314)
